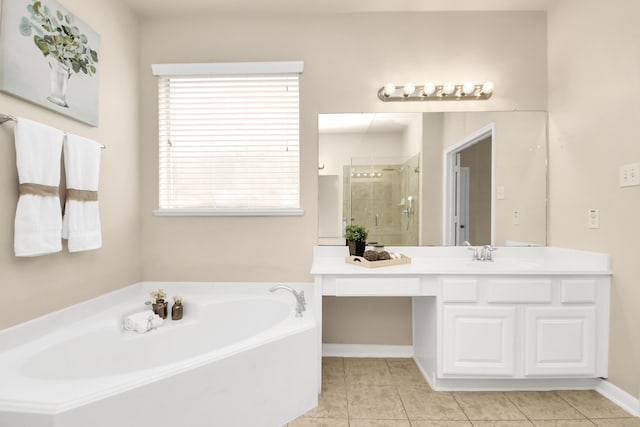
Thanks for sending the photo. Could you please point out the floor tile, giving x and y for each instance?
(440, 423)
(393, 393)
(333, 384)
(410, 380)
(508, 423)
(424, 405)
(332, 367)
(333, 364)
(319, 422)
(543, 405)
(592, 404)
(379, 423)
(367, 371)
(489, 406)
(331, 404)
(403, 367)
(563, 423)
(405, 372)
(374, 402)
(617, 422)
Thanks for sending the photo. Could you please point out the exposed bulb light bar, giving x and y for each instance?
(389, 89)
(468, 91)
(408, 89)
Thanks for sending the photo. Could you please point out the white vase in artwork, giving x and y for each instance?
(59, 79)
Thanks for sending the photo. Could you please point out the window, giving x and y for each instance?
(229, 138)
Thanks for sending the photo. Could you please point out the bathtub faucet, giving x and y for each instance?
(301, 306)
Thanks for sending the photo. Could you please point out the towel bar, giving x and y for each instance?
(9, 118)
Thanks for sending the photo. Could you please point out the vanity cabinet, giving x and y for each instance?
(520, 327)
(533, 318)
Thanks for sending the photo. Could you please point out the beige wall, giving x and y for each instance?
(432, 180)
(520, 159)
(35, 286)
(347, 58)
(594, 105)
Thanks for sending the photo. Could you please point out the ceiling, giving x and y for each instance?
(365, 122)
(192, 7)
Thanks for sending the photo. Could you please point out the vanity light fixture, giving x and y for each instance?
(468, 91)
(408, 89)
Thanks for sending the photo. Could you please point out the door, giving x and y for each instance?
(475, 152)
(461, 209)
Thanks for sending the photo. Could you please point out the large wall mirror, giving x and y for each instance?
(434, 178)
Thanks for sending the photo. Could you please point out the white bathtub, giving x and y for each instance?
(239, 357)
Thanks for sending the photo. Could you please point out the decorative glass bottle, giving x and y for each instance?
(160, 305)
(177, 309)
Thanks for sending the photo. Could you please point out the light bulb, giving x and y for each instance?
(429, 89)
(408, 89)
(389, 89)
(468, 88)
(487, 88)
(448, 88)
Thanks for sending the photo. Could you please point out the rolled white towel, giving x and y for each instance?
(142, 322)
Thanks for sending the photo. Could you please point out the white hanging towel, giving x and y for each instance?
(81, 222)
(38, 219)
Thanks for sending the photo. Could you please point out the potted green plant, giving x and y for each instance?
(356, 239)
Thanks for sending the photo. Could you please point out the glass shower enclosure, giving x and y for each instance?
(381, 194)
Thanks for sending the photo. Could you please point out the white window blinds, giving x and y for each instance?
(229, 142)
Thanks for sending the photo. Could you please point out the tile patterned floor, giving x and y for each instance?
(393, 393)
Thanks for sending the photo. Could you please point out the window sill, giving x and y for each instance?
(228, 212)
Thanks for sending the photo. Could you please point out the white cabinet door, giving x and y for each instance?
(560, 341)
(478, 340)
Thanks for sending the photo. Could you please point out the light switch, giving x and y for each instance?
(629, 175)
(500, 192)
(593, 218)
(516, 217)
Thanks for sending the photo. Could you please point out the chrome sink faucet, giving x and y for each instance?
(476, 255)
(485, 254)
(301, 302)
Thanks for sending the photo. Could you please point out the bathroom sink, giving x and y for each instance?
(498, 265)
(503, 265)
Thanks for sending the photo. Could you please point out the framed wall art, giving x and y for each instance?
(49, 57)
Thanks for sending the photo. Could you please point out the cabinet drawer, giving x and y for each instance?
(575, 291)
(459, 290)
(519, 291)
(377, 286)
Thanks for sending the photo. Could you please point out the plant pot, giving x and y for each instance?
(356, 248)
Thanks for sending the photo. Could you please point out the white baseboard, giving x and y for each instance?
(366, 350)
(620, 397)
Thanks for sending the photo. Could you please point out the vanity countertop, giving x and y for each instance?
(433, 260)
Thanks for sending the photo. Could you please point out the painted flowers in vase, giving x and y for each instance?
(62, 43)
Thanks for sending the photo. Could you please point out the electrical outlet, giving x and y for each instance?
(516, 217)
(593, 218)
(629, 175)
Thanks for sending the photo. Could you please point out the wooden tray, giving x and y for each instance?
(358, 260)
